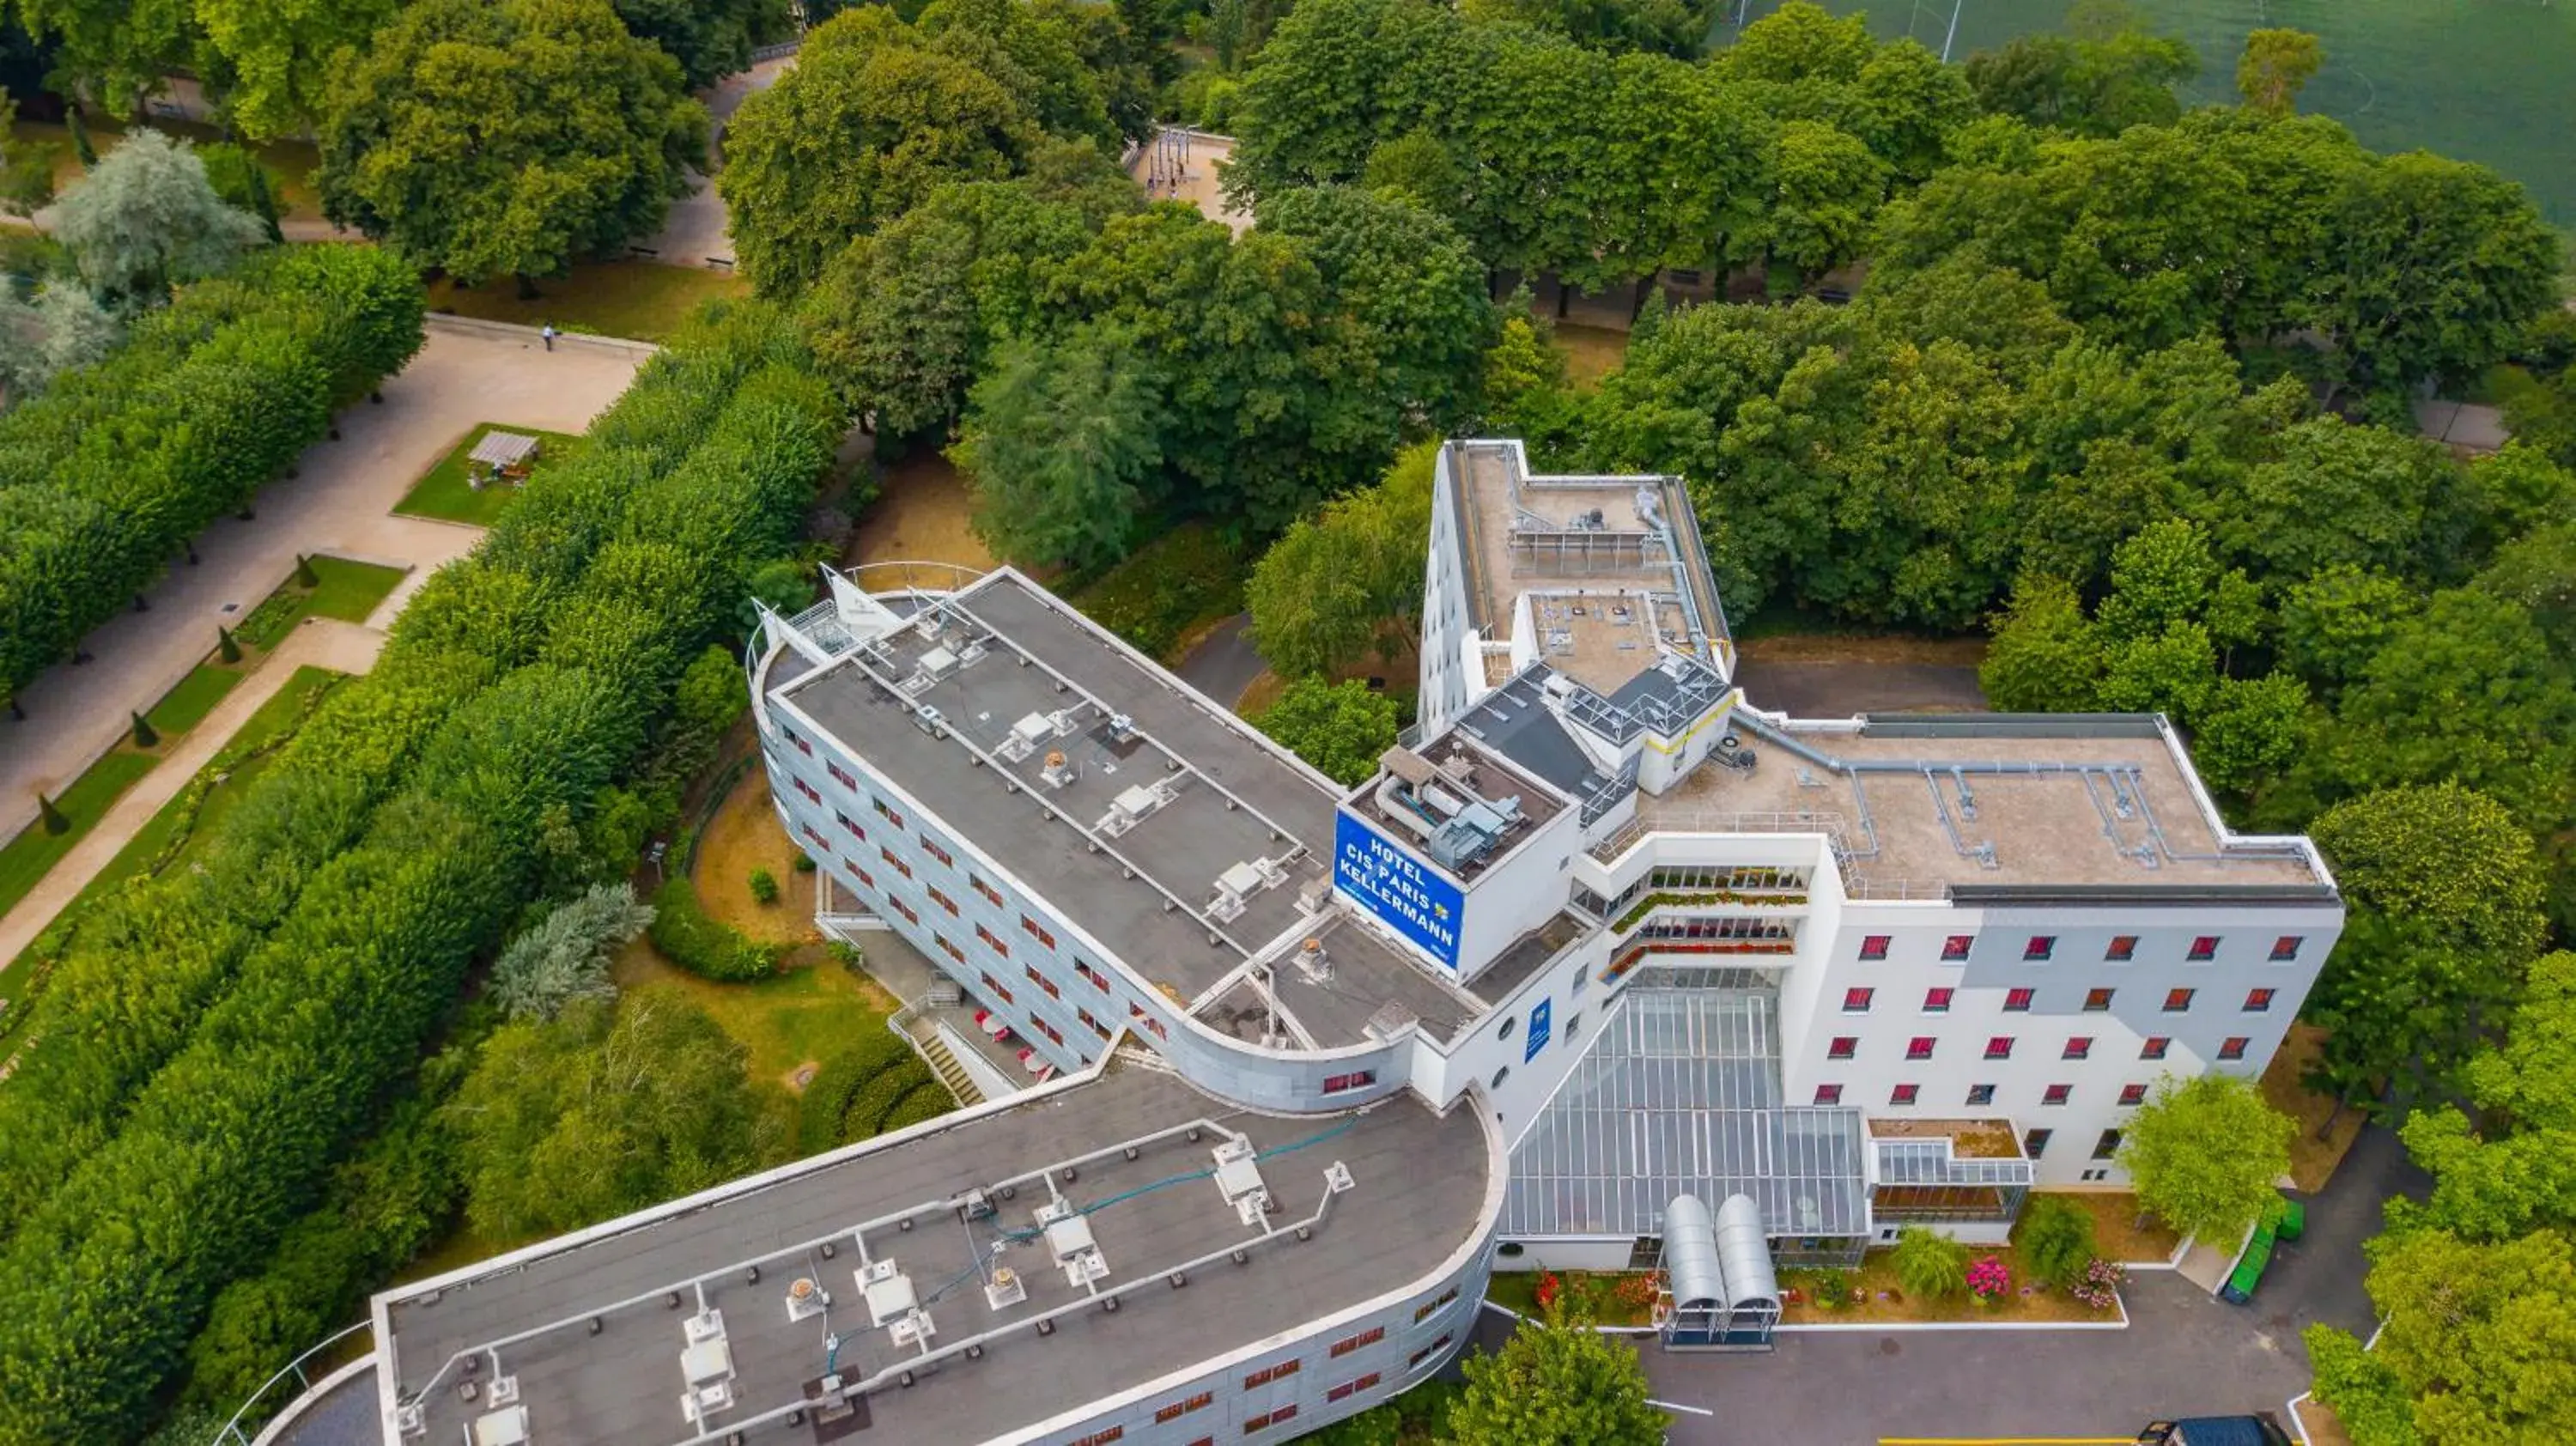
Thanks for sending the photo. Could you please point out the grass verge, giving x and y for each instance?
(186, 706)
(638, 300)
(345, 590)
(795, 1019)
(445, 491)
(34, 852)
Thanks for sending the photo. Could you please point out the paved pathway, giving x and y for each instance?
(339, 505)
(1223, 664)
(695, 229)
(2185, 1352)
(320, 642)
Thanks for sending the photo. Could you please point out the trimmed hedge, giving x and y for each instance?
(928, 1101)
(827, 1096)
(269, 1074)
(705, 946)
(866, 1113)
(112, 469)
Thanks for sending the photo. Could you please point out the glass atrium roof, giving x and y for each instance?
(1680, 1094)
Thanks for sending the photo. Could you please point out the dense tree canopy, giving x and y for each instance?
(2203, 1153)
(1341, 728)
(1556, 1383)
(146, 218)
(508, 138)
(710, 40)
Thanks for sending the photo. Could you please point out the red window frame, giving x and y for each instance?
(2078, 1046)
(2286, 948)
(2098, 1000)
(1919, 1047)
(2133, 1094)
(2018, 1001)
(2259, 1001)
(2124, 947)
(2156, 1046)
(1856, 1000)
(2204, 947)
(1904, 1094)
(1366, 1338)
(2057, 1094)
(1874, 947)
(2178, 1001)
(1937, 1000)
(1842, 1046)
(2233, 1047)
(2040, 946)
(1999, 1047)
(1829, 1094)
(1956, 947)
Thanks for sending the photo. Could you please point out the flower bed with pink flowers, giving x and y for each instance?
(1999, 1287)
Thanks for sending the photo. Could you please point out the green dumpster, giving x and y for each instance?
(2293, 1221)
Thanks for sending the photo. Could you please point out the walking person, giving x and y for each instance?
(549, 334)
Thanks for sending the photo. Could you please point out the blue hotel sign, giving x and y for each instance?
(1542, 1023)
(1395, 886)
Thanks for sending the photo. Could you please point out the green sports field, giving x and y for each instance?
(2483, 80)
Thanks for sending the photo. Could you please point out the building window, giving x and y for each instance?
(866, 879)
(883, 812)
(1284, 1413)
(943, 901)
(2258, 1001)
(1423, 1312)
(2155, 1047)
(936, 852)
(2233, 1047)
(2178, 1001)
(1091, 1023)
(1500, 1075)
(2097, 1000)
(2107, 1146)
(816, 839)
(1999, 1047)
(2034, 1143)
(900, 907)
(1041, 981)
(1937, 1001)
(2133, 1094)
(2286, 948)
(1856, 1001)
(1178, 1409)
(1919, 1047)
(855, 830)
(896, 864)
(2057, 1094)
(996, 945)
(991, 895)
(2203, 949)
(1414, 1362)
(806, 789)
(1829, 1094)
(1957, 945)
(1904, 1094)
(995, 985)
(801, 745)
(2124, 947)
(1360, 1079)
(1033, 930)
(2017, 1001)
(1100, 1438)
(1097, 979)
(1574, 1024)
(841, 778)
(1267, 1374)
(1981, 1094)
(1351, 1388)
(2079, 1047)
(1368, 1337)
(951, 950)
(1874, 946)
(1844, 1046)
(2040, 946)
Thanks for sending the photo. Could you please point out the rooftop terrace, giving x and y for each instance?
(1924, 806)
(595, 1331)
(1612, 566)
(1158, 824)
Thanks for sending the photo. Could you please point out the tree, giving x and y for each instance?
(709, 41)
(1342, 729)
(275, 60)
(2249, 730)
(865, 126)
(2479, 1334)
(1062, 447)
(1824, 189)
(146, 219)
(508, 138)
(2276, 65)
(2204, 1152)
(2108, 76)
(1929, 1264)
(1556, 1383)
(2514, 1170)
(2056, 1239)
(26, 167)
(2046, 656)
(244, 183)
(565, 957)
(602, 1112)
(1667, 27)
(64, 327)
(2335, 622)
(2437, 267)
(114, 52)
(2363, 1391)
(1348, 580)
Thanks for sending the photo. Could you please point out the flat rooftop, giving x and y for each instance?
(1612, 566)
(1177, 838)
(1925, 803)
(1417, 1192)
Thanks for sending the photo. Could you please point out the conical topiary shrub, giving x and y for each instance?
(305, 576)
(225, 647)
(53, 817)
(144, 735)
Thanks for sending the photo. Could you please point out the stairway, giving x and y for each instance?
(944, 1064)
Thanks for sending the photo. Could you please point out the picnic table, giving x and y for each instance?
(502, 454)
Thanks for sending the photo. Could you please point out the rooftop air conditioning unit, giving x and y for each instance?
(1313, 962)
(806, 1300)
(1058, 771)
(1238, 1178)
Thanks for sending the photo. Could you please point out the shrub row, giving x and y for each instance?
(584, 606)
(927, 1101)
(105, 476)
(705, 946)
(866, 1113)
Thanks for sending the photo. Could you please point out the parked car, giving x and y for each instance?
(2262, 1430)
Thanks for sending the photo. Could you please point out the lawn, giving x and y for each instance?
(349, 591)
(28, 856)
(2479, 80)
(1591, 352)
(796, 1019)
(294, 161)
(186, 706)
(638, 300)
(443, 492)
(2116, 1231)
(273, 720)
